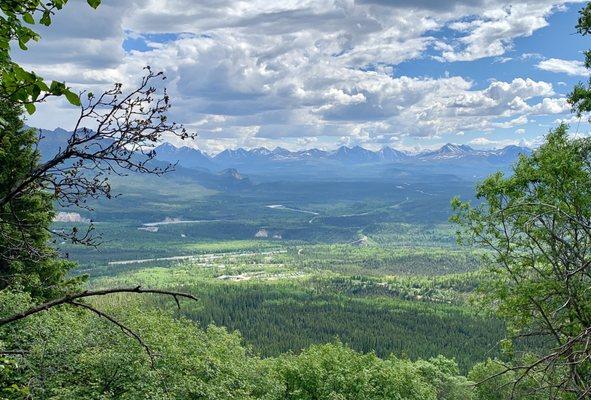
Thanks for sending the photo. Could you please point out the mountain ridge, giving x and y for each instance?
(345, 161)
(343, 154)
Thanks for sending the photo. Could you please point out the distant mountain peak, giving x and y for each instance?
(233, 175)
(455, 148)
(311, 153)
(387, 153)
(449, 151)
(263, 151)
(232, 154)
(187, 157)
(281, 150)
(345, 155)
(233, 172)
(355, 154)
(167, 146)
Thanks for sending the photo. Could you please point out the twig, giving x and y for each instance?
(70, 298)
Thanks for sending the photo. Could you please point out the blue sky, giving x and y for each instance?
(558, 40)
(311, 73)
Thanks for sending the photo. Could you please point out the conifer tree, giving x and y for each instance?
(27, 261)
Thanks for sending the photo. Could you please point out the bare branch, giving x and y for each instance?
(127, 127)
(126, 330)
(69, 299)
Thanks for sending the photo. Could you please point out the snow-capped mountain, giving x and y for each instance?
(510, 152)
(450, 157)
(231, 158)
(186, 156)
(355, 155)
(392, 155)
(448, 151)
(310, 154)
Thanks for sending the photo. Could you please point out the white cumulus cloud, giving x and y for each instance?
(264, 72)
(569, 67)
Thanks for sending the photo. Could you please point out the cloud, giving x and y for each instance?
(250, 73)
(502, 60)
(492, 33)
(521, 120)
(550, 106)
(491, 143)
(573, 120)
(485, 142)
(569, 67)
(528, 56)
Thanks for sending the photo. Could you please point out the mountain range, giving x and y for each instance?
(225, 168)
(195, 158)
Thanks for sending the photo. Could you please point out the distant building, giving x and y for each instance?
(262, 233)
(69, 217)
(152, 229)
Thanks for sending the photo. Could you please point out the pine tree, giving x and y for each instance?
(27, 261)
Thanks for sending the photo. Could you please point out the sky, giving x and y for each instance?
(409, 74)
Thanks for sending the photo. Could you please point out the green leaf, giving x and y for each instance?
(57, 88)
(20, 73)
(30, 107)
(94, 3)
(46, 19)
(28, 18)
(42, 85)
(35, 92)
(72, 97)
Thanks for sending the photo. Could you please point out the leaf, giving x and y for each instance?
(56, 87)
(45, 19)
(35, 91)
(30, 107)
(94, 3)
(28, 18)
(72, 97)
(20, 73)
(42, 86)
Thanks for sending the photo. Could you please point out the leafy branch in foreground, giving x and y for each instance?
(537, 224)
(127, 126)
(17, 84)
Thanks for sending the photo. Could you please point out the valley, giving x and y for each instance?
(291, 259)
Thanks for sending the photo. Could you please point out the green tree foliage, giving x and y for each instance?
(27, 261)
(276, 318)
(580, 97)
(537, 222)
(92, 359)
(334, 371)
(17, 17)
(491, 386)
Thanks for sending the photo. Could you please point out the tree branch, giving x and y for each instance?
(71, 298)
(126, 330)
